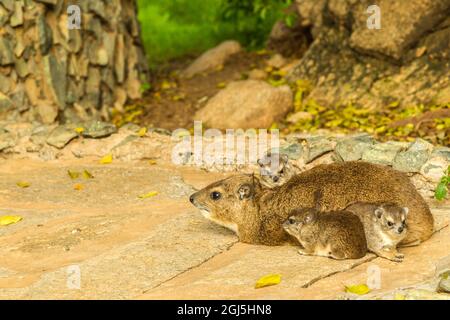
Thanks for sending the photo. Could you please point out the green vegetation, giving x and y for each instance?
(442, 188)
(385, 123)
(171, 29)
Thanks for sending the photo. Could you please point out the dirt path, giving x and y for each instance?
(159, 247)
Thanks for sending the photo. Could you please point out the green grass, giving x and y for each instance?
(173, 28)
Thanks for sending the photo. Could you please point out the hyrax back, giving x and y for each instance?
(337, 235)
(385, 226)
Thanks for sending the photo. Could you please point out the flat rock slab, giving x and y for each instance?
(160, 247)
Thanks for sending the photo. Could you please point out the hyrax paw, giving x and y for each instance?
(399, 257)
(303, 252)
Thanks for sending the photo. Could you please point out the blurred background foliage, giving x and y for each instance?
(175, 28)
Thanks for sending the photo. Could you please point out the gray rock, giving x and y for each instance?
(47, 112)
(19, 98)
(318, 146)
(434, 168)
(8, 4)
(75, 40)
(128, 139)
(212, 58)
(61, 136)
(4, 16)
(441, 152)
(39, 135)
(53, 2)
(6, 52)
(444, 283)
(6, 141)
(160, 131)
(22, 68)
(45, 35)
(5, 84)
(384, 153)
(294, 150)
(98, 129)
(97, 7)
(130, 127)
(56, 77)
(17, 17)
(414, 157)
(402, 23)
(119, 62)
(246, 104)
(352, 148)
(5, 103)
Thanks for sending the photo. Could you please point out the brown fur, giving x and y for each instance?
(259, 214)
(337, 235)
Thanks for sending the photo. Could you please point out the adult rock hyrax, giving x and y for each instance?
(275, 173)
(337, 235)
(256, 213)
(385, 226)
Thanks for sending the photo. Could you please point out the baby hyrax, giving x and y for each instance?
(384, 225)
(275, 173)
(337, 235)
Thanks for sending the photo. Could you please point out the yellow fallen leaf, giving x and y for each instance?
(148, 195)
(268, 280)
(152, 162)
(6, 220)
(399, 296)
(79, 130)
(73, 174)
(106, 159)
(142, 131)
(360, 289)
(87, 175)
(23, 184)
(221, 85)
(78, 187)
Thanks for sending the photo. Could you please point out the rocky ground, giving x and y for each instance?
(132, 232)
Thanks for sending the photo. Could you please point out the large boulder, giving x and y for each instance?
(212, 58)
(246, 104)
(406, 61)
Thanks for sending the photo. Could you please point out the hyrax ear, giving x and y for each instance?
(379, 212)
(245, 191)
(405, 211)
(309, 218)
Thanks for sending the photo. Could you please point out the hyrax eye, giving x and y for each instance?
(390, 224)
(215, 195)
(291, 220)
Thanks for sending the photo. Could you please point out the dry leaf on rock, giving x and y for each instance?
(7, 220)
(73, 174)
(23, 184)
(148, 195)
(268, 280)
(360, 289)
(106, 159)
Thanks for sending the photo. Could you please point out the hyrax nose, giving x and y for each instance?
(400, 229)
(191, 198)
